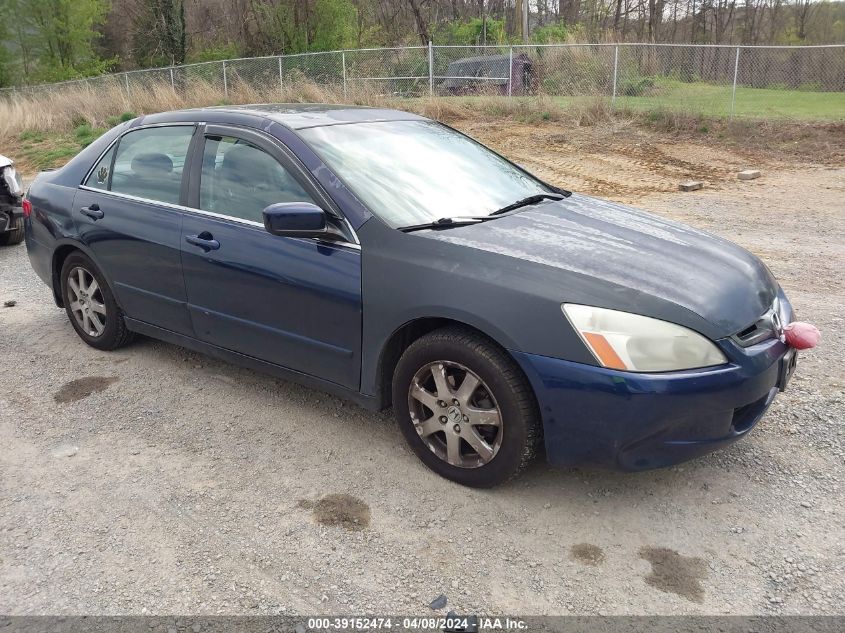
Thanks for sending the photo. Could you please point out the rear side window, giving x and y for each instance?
(149, 163)
(240, 180)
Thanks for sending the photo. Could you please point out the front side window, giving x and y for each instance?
(240, 180)
(150, 161)
(415, 172)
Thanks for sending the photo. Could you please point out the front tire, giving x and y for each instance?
(14, 235)
(465, 408)
(91, 306)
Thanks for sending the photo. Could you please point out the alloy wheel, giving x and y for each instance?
(455, 414)
(86, 302)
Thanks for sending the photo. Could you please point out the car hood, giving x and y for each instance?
(5, 162)
(625, 247)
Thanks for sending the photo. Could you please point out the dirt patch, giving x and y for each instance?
(83, 387)
(587, 554)
(673, 573)
(339, 509)
(625, 161)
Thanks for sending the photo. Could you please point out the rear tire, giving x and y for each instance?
(91, 306)
(492, 424)
(14, 235)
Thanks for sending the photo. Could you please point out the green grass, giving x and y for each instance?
(699, 98)
(760, 103)
(43, 153)
(39, 150)
(85, 134)
(43, 150)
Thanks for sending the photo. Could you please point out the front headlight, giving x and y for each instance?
(631, 342)
(13, 181)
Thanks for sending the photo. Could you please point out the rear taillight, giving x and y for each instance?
(27, 208)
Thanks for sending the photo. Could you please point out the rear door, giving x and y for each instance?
(294, 302)
(129, 214)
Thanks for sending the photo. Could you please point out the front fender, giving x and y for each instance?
(376, 343)
(406, 277)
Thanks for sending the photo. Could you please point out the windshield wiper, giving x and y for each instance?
(464, 221)
(441, 224)
(529, 200)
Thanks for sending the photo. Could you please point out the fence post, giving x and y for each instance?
(615, 74)
(225, 80)
(430, 69)
(281, 80)
(172, 82)
(733, 92)
(343, 62)
(126, 81)
(510, 72)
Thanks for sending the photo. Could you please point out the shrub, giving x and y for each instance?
(85, 134)
(550, 33)
(213, 53)
(31, 135)
(116, 120)
(636, 86)
(581, 70)
(686, 74)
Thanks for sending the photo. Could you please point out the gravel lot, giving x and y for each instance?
(155, 480)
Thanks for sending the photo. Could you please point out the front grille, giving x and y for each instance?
(768, 326)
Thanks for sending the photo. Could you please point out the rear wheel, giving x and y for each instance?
(14, 235)
(90, 304)
(465, 407)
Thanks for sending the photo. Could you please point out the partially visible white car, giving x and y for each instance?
(11, 212)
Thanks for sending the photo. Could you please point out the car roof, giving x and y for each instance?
(295, 116)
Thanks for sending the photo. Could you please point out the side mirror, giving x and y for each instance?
(296, 219)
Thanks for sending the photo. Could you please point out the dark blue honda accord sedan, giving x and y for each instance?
(387, 258)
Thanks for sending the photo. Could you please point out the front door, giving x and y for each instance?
(293, 302)
(128, 214)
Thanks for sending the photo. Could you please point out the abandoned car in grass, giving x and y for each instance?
(387, 258)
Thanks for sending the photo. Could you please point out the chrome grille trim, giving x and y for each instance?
(768, 326)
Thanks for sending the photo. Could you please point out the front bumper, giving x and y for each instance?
(633, 421)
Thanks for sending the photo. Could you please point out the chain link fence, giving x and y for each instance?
(806, 82)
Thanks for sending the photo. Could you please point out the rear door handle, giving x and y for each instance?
(204, 240)
(92, 212)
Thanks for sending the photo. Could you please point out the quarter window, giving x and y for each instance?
(240, 180)
(99, 177)
(149, 163)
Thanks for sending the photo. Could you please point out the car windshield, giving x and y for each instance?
(415, 172)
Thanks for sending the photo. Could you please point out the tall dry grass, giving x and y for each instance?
(65, 109)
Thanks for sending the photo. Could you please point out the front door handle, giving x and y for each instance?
(92, 211)
(204, 240)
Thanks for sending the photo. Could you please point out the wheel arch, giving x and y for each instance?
(403, 336)
(62, 251)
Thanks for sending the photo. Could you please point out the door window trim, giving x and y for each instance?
(169, 205)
